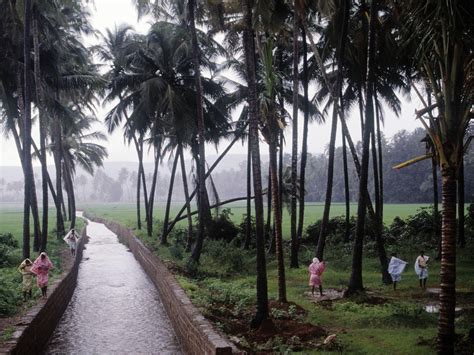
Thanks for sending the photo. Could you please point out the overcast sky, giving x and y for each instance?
(107, 13)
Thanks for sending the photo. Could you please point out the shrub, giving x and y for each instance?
(222, 227)
(8, 240)
(9, 256)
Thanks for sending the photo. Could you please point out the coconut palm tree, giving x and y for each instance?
(442, 38)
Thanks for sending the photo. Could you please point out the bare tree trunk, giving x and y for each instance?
(164, 240)
(277, 216)
(261, 314)
(70, 192)
(188, 201)
(248, 231)
(378, 222)
(294, 146)
(151, 199)
(460, 192)
(42, 129)
(329, 183)
(355, 282)
(268, 230)
(447, 297)
(347, 231)
(304, 148)
(203, 220)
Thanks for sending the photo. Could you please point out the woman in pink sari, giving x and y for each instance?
(316, 270)
(41, 268)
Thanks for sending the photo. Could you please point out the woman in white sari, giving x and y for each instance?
(421, 269)
(395, 269)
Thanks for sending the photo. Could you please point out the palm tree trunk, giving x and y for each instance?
(249, 51)
(380, 156)
(248, 229)
(268, 231)
(347, 231)
(355, 281)
(329, 183)
(139, 219)
(42, 130)
(304, 148)
(164, 240)
(203, 220)
(143, 177)
(70, 192)
(277, 216)
(187, 199)
(378, 222)
(447, 297)
(48, 178)
(28, 173)
(460, 192)
(294, 146)
(151, 200)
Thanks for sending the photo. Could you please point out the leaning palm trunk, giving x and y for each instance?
(213, 166)
(249, 52)
(70, 192)
(347, 230)
(164, 240)
(294, 145)
(277, 217)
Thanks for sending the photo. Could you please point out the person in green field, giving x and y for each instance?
(27, 282)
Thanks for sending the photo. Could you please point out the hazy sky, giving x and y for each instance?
(107, 13)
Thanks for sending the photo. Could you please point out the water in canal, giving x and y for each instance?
(115, 307)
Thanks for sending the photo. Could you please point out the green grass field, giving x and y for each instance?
(398, 325)
(313, 211)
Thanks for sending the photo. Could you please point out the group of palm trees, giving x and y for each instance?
(171, 92)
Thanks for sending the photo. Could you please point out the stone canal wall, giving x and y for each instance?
(32, 330)
(195, 333)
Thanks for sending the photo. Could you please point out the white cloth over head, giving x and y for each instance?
(396, 267)
(70, 239)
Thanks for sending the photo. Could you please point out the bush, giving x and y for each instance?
(222, 228)
(9, 256)
(9, 292)
(231, 260)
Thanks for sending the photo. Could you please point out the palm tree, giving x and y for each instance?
(442, 37)
(249, 51)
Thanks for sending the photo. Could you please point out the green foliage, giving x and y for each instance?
(10, 255)
(228, 259)
(10, 291)
(222, 227)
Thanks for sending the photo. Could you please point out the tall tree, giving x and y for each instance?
(355, 281)
(249, 51)
(294, 142)
(28, 171)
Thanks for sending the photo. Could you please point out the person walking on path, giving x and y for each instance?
(316, 269)
(421, 269)
(27, 283)
(41, 268)
(71, 239)
(395, 269)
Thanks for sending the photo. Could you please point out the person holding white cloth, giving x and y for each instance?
(395, 269)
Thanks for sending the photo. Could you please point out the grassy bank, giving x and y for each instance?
(11, 221)
(223, 287)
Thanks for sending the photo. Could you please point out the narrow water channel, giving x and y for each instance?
(115, 307)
